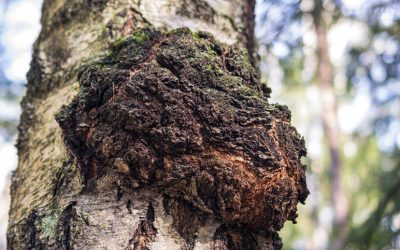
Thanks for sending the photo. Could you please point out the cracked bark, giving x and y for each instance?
(166, 142)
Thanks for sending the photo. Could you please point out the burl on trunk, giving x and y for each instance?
(187, 117)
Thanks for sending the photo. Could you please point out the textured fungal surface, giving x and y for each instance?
(188, 116)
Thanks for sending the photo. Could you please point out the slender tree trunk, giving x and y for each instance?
(103, 181)
(331, 129)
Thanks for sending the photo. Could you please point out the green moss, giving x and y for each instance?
(234, 71)
(119, 42)
(241, 58)
(48, 226)
(215, 69)
(139, 37)
(196, 35)
(219, 70)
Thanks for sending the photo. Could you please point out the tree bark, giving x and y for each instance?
(165, 141)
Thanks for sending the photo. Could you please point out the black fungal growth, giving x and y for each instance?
(187, 115)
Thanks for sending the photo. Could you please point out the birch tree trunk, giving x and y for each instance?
(330, 121)
(166, 142)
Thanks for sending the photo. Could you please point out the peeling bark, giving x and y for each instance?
(166, 142)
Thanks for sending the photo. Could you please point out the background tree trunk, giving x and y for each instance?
(53, 205)
(331, 126)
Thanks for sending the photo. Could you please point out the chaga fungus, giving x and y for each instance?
(187, 115)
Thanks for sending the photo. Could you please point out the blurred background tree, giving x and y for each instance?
(336, 65)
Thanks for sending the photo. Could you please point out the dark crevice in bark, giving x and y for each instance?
(187, 219)
(119, 192)
(129, 206)
(145, 233)
(220, 238)
(47, 228)
(27, 238)
(240, 239)
(64, 177)
(65, 223)
(31, 231)
(109, 27)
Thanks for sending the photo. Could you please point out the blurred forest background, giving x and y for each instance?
(336, 64)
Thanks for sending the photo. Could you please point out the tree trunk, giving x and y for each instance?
(165, 141)
(331, 128)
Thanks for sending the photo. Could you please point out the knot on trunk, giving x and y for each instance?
(187, 115)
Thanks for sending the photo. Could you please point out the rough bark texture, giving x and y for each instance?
(171, 142)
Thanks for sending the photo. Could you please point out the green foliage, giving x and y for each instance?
(376, 231)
